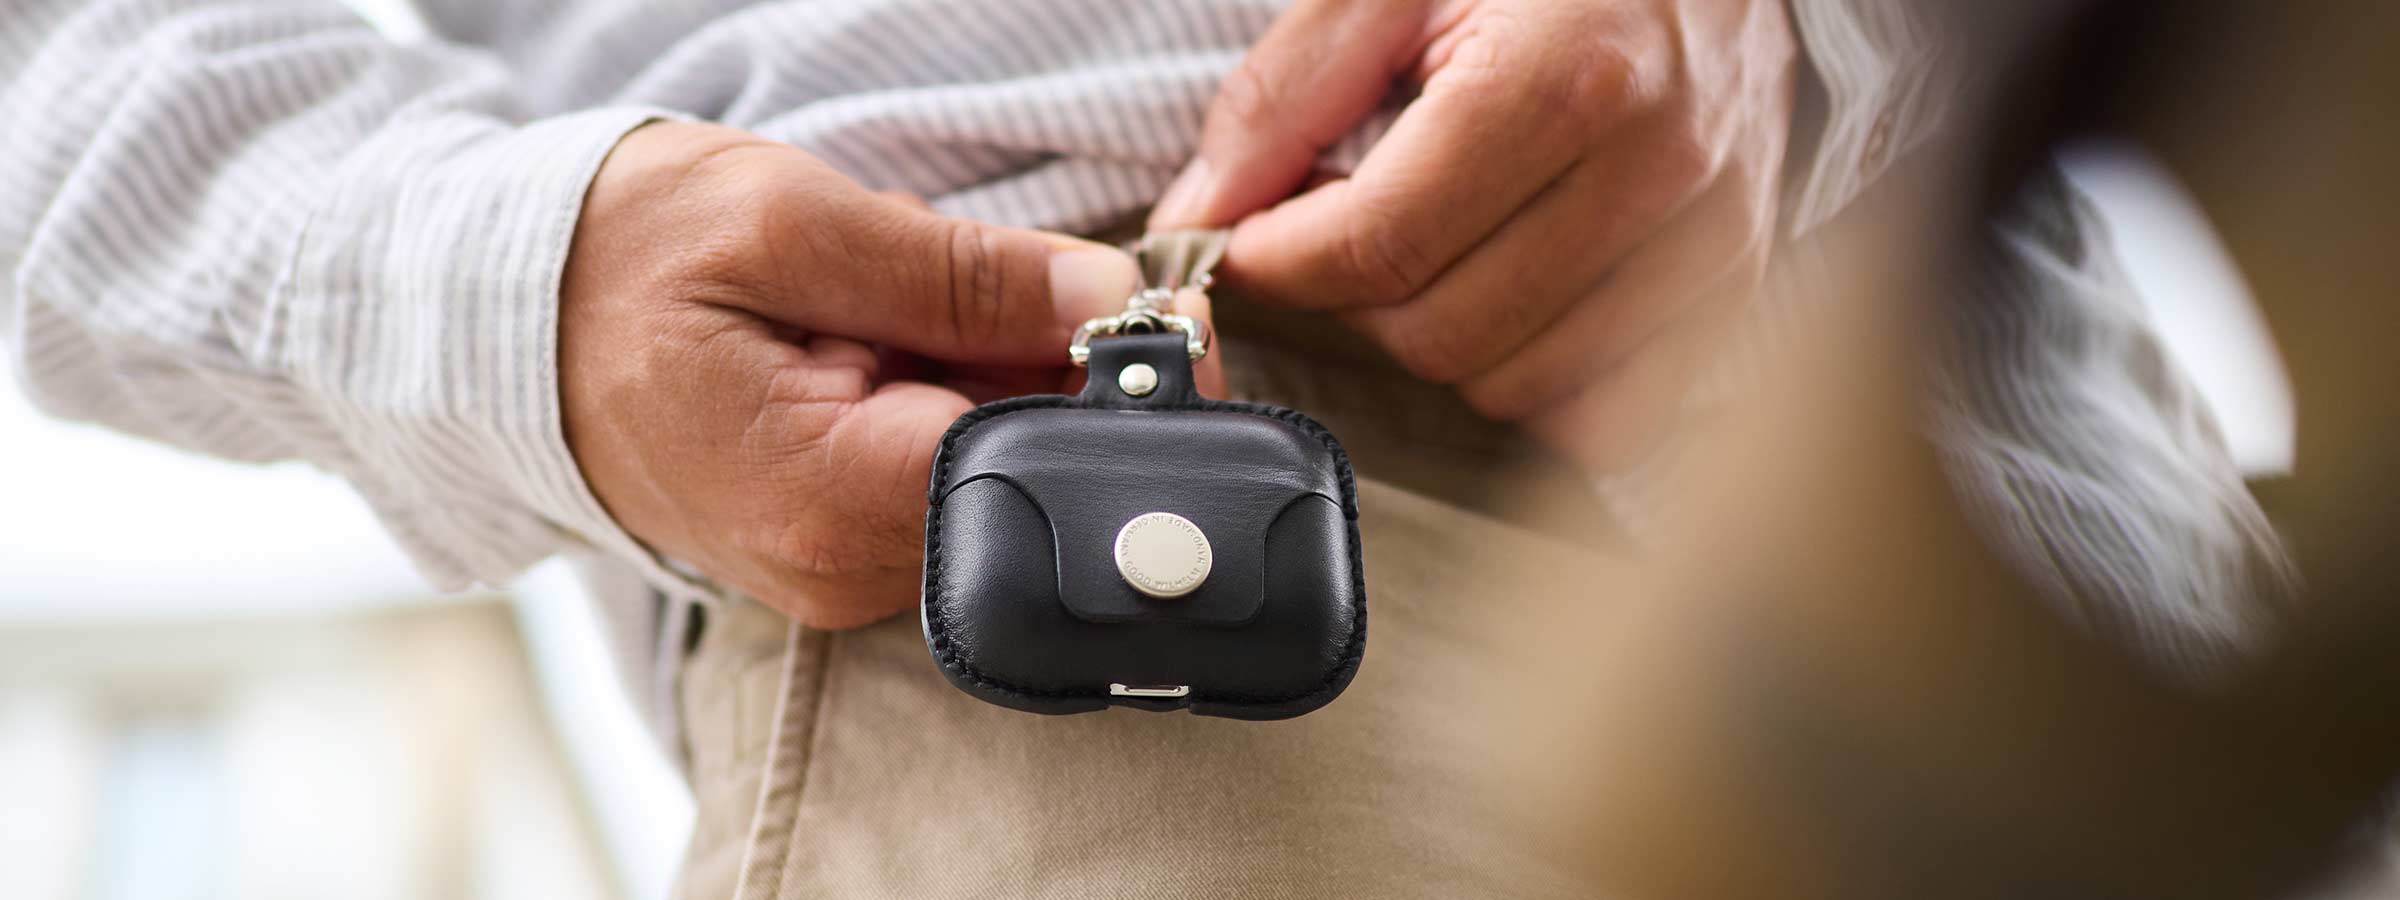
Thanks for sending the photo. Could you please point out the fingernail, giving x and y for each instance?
(1182, 207)
(1091, 281)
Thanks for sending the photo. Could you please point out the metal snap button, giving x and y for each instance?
(1163, 555)
(1138, 380)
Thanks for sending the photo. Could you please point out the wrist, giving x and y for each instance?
(447, 383)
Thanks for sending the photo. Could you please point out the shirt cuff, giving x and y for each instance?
(1885, 90)
(425, 317)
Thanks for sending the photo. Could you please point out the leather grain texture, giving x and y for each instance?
(1023, 605)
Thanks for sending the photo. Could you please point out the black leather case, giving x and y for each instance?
(1024, 605)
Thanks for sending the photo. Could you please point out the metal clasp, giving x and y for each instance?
(1141, 316)
(1180, 690)
(1170, 262)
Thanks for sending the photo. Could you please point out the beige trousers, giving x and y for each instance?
(843, 765)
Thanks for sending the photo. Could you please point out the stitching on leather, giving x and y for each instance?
(937, 624)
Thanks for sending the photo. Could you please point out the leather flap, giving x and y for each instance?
(1090, 471)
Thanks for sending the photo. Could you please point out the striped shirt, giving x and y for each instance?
(263, 231)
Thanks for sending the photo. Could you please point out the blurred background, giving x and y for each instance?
(223, 681)
(220, 680)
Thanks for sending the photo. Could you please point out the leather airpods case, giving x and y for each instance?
(1141, 545)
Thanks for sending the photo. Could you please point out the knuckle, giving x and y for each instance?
(1247, 97)
(1584, 85)
(1485, 57)
(733, 245)
(1603, 90)
(974, 288)
(1386, 262)
(1596, 93)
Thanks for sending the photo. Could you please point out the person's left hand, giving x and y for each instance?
(757, 359)
(1576, 203)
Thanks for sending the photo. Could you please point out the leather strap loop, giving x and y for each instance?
(1165, 354)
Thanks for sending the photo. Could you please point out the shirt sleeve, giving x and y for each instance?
(1876, 86)
(2085, 456)
(261, 231)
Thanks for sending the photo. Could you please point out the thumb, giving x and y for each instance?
(965, 291)
(1314, 76)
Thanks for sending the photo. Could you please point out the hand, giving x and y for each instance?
(735, 324)
(1579, 198)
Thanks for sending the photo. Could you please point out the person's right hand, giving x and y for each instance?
(1565, 221)
(730, 319)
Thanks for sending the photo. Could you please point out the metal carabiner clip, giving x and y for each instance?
(1170, 262)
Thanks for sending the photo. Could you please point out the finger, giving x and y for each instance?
(904, 198)
(874, 460)
(1486, 308)
(887, 440)
(1310, 80)
(1477, 145)
(865, 507)
(1208, 374)
(884, 450)
(984, 383)
(828, 351)
(1708, 258)
(821, 370)
(951, 289)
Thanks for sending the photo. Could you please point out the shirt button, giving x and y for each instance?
(1878, 151)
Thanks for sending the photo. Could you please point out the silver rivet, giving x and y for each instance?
(1163, 555)
(1138, 380)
